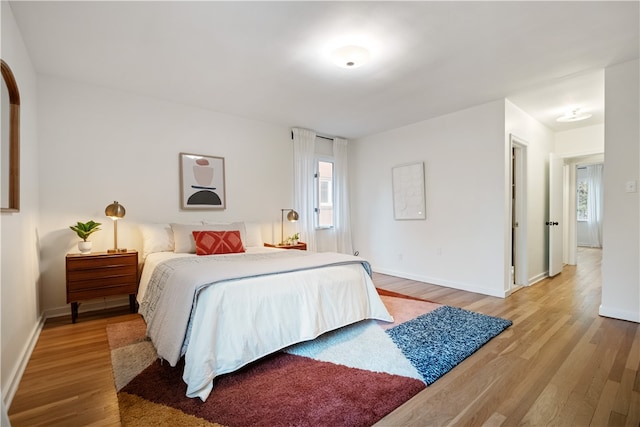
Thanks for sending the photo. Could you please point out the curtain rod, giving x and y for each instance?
(317, 136)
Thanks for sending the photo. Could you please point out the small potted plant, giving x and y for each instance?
(84, 230)
(295, 238)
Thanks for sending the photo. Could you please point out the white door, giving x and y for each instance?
(554, 222)
(515, 210)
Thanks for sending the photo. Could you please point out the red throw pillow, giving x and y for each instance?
(218, 242)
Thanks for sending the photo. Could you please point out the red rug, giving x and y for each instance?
(280, 390)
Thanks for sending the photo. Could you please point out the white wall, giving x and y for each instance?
(460, 244)
(99, 145)
(19, 306)
(540, 140)
(580, 142)
(621, 225)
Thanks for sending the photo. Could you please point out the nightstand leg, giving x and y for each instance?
(74, 312)
(132, 303)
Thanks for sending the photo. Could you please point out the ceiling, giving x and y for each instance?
(269, 61)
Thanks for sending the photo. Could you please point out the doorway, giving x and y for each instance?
(570, 213)
(518, 176)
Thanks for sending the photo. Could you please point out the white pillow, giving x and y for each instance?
(254, 234)
(183, 234)
(156, 238)
(228, 226)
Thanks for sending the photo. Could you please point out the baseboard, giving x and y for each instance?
(537, 278)
(513, 290)
(441, 282)
(615, 313)
(16, 374)
(86, 306)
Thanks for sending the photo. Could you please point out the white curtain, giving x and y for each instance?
(303, 174)
(342, 213)
(594, 204)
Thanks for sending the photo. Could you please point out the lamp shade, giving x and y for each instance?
(115, 210)
(292, 216)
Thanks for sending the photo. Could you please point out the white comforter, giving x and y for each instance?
(222, 312)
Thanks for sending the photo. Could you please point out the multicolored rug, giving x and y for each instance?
(353, 376)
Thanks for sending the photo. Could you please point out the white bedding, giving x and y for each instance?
(237, 321)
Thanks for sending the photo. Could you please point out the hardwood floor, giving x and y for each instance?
(68, 380)
(560, 364)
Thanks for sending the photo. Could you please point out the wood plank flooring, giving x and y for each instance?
(68, 380)
(560, 364)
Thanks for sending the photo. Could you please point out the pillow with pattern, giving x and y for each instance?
(183, 234)
(210, 242)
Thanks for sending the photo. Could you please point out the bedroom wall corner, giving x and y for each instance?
(20, 309)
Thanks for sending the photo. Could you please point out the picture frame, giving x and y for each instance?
(408, 191)
(202, 182)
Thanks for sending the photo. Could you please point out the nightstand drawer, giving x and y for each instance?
(101, 260)
(102, 273)
(102, 281)
(91, 293)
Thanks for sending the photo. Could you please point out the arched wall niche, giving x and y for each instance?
(10, 144)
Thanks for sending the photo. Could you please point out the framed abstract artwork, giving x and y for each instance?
(408, 191)
(202, 182)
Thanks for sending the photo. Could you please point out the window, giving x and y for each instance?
(582, 200)
(324, 194)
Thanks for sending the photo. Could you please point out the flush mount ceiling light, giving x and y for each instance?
(573, 116)
(350, 56)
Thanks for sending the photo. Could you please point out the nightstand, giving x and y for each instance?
(301, 246)
(101, 274)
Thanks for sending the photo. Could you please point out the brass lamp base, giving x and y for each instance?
(116, 251)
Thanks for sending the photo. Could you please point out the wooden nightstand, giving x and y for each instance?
(101, 274)
(301, 246)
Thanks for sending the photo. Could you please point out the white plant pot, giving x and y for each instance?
(84, 247)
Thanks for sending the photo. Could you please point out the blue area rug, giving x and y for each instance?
(437, 341)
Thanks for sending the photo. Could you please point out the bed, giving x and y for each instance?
(224, 311)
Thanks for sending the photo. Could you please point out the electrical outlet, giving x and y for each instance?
(399, 257)
(631, 187)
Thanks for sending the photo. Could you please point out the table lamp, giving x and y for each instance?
(115, 211)
(292, 216)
